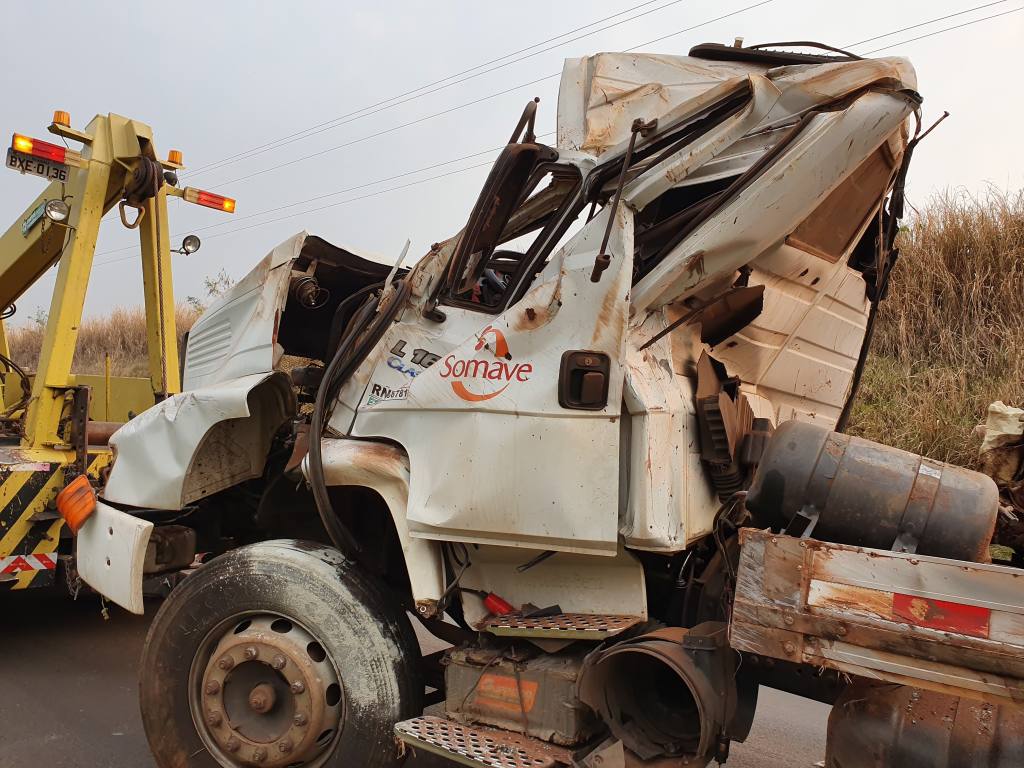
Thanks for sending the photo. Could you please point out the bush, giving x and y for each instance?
(950, 337)
(122, 334)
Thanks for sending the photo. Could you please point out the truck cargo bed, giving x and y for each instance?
(946, 625)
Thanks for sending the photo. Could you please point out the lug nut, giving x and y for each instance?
(213, 688)
(259, 755)
(214, 718)
(300, 719)
(278, 662)
(298, 687)
(226, 663)
(232, 744)
(251, 652)
(284, 746)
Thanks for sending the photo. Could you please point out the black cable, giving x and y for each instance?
(340, 535)
(925, 23)
(363, 333)
(462, 170)
(26, 386)
(480, 100)
(947, 29)
(407, 96)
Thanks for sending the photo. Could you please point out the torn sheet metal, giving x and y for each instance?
(197, 443)
(239, 334)
(385, 469)
(600, 96)
(940, 624)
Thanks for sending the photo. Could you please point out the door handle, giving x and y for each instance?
(583, 380)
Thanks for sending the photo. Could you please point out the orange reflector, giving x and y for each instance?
(60, 117)
(210, 200)
(76, 502)
(942, 615)
(38, 148)
(174, 156)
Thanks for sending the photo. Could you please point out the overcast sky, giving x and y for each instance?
(215, 79)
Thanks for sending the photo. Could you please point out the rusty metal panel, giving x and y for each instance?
(992, 586)
(484, 747)
(857, 614)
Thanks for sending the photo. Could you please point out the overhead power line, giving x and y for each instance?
(235, 220)
(925, 23)
(947, 29)
(323, 207)
(437, 85)
(481, 165)
(480, 100)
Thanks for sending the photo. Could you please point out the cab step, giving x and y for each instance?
(561, 626)
(480, 747)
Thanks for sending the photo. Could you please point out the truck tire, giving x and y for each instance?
(278, 654)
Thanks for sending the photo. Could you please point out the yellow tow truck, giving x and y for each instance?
(55, 424)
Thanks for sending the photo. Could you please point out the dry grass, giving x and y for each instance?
(950, 337)
(122, 334)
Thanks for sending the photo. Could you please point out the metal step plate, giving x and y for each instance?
(561, 626)
(474, 746)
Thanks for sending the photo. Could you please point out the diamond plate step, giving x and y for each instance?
(561, 626)
(480, 747)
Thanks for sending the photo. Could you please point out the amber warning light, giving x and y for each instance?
(210, 200)
(37, 148)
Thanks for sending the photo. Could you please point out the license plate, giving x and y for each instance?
(17, 161)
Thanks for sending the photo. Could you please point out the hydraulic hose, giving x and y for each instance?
(364, 332)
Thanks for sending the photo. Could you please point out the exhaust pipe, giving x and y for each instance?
(672, 693)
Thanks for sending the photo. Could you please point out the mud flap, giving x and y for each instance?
(110, 554)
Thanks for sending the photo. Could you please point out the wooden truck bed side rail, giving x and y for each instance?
(946, 625)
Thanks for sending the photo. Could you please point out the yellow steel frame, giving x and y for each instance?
(113, 146)
(33, 472)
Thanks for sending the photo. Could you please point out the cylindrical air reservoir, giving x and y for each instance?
(849, 490)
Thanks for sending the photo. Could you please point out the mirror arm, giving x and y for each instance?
(639, 127)
(527, 120)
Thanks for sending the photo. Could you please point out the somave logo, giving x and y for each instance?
(468, 376)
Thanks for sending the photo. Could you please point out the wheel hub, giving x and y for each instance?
(269, 696)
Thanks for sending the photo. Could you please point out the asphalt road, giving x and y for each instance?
(68, 694)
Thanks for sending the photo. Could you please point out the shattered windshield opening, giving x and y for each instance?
(518, 248)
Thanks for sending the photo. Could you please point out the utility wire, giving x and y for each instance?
(434, 87)
(235, 220)
(322, 208)
(461, 106)
(473, 102)
(925, 23)
(481, 165)
(947, 29)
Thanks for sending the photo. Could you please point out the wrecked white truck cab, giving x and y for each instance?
(537, 439)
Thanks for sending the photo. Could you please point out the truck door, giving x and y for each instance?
(509, 406)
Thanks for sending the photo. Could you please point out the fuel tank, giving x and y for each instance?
(880, 726)
(834, 487)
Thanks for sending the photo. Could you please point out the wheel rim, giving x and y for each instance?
(264, 692)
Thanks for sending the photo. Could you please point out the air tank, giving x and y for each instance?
(848, 490)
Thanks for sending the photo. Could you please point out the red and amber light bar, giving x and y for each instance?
(41, 149)
(208, 199)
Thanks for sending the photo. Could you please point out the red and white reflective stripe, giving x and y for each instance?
(924, 612)
(964, 619)
(40, 561)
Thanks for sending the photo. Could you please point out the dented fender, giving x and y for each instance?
(385, 469)
(199, 442)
